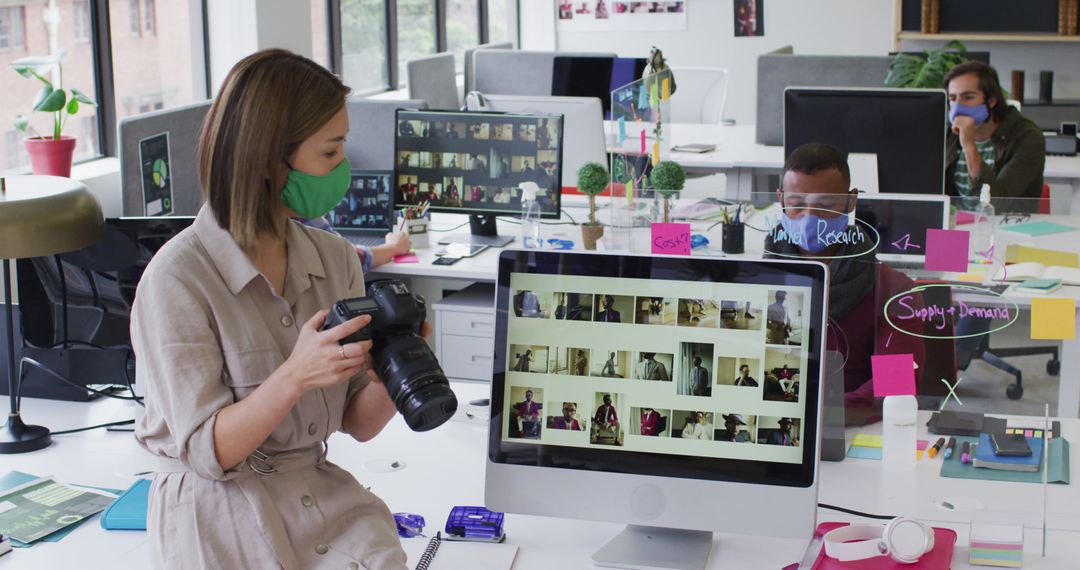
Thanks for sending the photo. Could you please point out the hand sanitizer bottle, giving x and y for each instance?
(530, 215)
(982, 234)
(899, 432)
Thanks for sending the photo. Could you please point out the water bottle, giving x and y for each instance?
(899, 426)
(982, 238)
(530, 215)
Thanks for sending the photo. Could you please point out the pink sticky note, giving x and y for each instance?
(1029, 433)
(642, 141)
(672, 239)
(963, 218)
(406, 258)
(894, 375)
(947, 250)
(922, 444)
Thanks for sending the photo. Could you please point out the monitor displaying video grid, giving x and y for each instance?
(472, 163)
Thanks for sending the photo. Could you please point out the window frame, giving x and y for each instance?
(394, 79)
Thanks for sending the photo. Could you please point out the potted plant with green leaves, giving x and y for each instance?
(50, 154)
(592, 179)
(667, 178)
(926, 70)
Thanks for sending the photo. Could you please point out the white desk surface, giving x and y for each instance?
(445, 467)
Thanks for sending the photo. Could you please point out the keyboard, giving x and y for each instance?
(365, 240)
(490, 241)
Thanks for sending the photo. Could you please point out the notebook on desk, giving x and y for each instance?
(452, 555)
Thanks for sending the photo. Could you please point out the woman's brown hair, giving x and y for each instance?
(270, 102)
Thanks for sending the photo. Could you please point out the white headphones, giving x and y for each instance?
(904, 540)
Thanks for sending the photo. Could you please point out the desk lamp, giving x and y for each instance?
(39, 215)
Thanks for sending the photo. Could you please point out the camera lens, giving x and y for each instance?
(415, 381)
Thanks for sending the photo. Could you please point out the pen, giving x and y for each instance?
(949, 447)
(965, 453)
(937, 447)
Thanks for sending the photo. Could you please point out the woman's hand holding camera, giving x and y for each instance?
(318, 361)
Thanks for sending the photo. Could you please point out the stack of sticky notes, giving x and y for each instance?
(865, 446)
(996, 545)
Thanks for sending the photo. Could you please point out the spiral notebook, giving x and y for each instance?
(454, 555)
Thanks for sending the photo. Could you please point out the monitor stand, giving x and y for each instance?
(653, 548)
(482, 231)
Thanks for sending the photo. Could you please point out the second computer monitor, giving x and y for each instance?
(472, 163)
(904, 128)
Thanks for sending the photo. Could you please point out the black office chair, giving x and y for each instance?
(977, 345)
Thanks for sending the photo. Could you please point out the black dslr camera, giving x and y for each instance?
(415, 381)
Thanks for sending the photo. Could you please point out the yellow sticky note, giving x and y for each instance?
(665, 89)
(656, 153)
(918, 454)
(865, 440)
(1053, 318)
(969, 277)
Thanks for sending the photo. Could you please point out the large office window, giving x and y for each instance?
(152, 67)
(462, 28)
(363, 63)
(12, 29)
(373, 56)
(320, 33)
(415, 32)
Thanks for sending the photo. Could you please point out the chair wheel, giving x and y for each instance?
(1053, 367)
(1014, 392)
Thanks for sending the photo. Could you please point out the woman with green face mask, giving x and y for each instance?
(243, 389)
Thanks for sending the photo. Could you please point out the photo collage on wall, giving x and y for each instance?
(476, 161)
(626, 368)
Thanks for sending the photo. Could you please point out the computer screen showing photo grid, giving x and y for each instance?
(647, 365)
(474, 162)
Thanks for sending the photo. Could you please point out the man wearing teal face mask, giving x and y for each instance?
(990, 142)
(816, 196)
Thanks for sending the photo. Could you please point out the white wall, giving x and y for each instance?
(843, 27)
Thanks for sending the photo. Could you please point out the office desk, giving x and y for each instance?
(739, 157)
(445, 467)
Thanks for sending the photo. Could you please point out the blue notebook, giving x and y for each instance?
(128, 511)
(985, 456)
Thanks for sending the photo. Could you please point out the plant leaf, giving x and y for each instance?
(50, 100)
(36, 62)
(82, 98)
(21, 122)
(73, 106)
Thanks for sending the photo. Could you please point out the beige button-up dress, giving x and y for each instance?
(207, 329)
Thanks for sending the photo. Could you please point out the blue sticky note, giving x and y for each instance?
(859, 452)
(643, 97)
(622, 129)
(1040, 228)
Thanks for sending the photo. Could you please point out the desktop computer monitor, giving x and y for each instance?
(577, 76)
(904, 128)
(472, 163)
(901, 221)
(583, 119)
(615, 393)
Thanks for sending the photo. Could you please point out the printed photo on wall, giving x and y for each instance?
(567, 418)
(569, 360)
(525, 412)
(610, 363)
(573, 306)
(613, 308)
(749, 18)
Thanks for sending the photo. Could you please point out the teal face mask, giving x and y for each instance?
(313, 196)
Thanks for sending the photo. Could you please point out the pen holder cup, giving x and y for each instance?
(418, 232)
(733, 237)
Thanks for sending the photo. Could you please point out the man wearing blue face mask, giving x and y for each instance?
(990, 142)
(816, 197)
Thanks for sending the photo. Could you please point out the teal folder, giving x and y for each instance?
(128, 511)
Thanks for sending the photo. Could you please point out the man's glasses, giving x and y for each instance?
(570, 410)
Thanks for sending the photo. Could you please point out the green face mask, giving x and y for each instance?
(313, 196)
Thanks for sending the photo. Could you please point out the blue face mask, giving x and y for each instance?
(813, 233)
(978, 112)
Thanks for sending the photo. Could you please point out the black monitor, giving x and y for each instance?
(472, 163)
(575, 76)
(905, 128)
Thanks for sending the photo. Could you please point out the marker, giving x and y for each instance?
(949, 447)
(936, 448)
(965, 453)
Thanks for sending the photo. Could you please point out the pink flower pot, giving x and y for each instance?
(51, 157)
